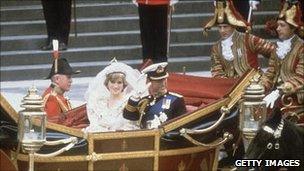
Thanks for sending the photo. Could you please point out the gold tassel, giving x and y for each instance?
(205, 33)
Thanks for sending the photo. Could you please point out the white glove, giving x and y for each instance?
(55, 45)
(173, 2)
(135, 3)
(141, 87)
(254, 4)
(271, 98)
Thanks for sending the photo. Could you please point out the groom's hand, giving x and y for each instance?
(141, 87)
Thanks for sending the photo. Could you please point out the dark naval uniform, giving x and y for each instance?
(144, 110)
(152, 110)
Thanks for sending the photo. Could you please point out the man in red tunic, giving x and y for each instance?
(55, 103)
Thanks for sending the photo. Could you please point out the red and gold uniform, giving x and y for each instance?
(245, 49)
(55, 104)
(232, 56)
(285, 73)
(289, 70)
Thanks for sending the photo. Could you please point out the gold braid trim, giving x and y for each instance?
(141, 108)
(63, 107)
(130, 108)
(211, 23)
(45, 99)
(221, 12)
(287, 73)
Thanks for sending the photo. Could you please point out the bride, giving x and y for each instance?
(107, 95)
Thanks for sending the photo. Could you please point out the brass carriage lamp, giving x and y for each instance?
(252, 110)
(31, 124)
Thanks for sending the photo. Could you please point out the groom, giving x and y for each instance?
(160, 105)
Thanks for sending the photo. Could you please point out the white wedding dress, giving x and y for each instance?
(101, 117)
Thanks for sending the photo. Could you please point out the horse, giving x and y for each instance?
(278, 139)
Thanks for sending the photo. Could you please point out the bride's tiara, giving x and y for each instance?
(117, 72)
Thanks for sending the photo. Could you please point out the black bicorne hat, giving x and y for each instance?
(63, 67)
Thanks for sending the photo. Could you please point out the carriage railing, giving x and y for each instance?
(234, 97)
(226, 136)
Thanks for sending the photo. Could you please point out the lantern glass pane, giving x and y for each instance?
(249, 122)
(33, 128)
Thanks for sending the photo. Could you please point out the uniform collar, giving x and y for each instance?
(284, 47)
(57, 89)
(226, 47)
(288, 40)
(228, 39)
(158, 95)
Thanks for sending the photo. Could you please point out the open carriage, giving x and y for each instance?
(189, 142)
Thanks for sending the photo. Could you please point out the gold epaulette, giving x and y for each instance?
(176, 94)
(63, 107)
(45, 98)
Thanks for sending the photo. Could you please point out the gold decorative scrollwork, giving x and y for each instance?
(291, 116)
(288, 103)
(123, 167)
(92, 157)
(124, 145)
(181, 166)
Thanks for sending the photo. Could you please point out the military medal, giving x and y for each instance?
(166, 103)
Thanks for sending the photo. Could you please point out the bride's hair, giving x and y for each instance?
(115, 76)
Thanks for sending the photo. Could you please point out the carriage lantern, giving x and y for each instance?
(253, 110)
(31, 124)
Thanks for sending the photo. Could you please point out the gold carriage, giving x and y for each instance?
(189, 142)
